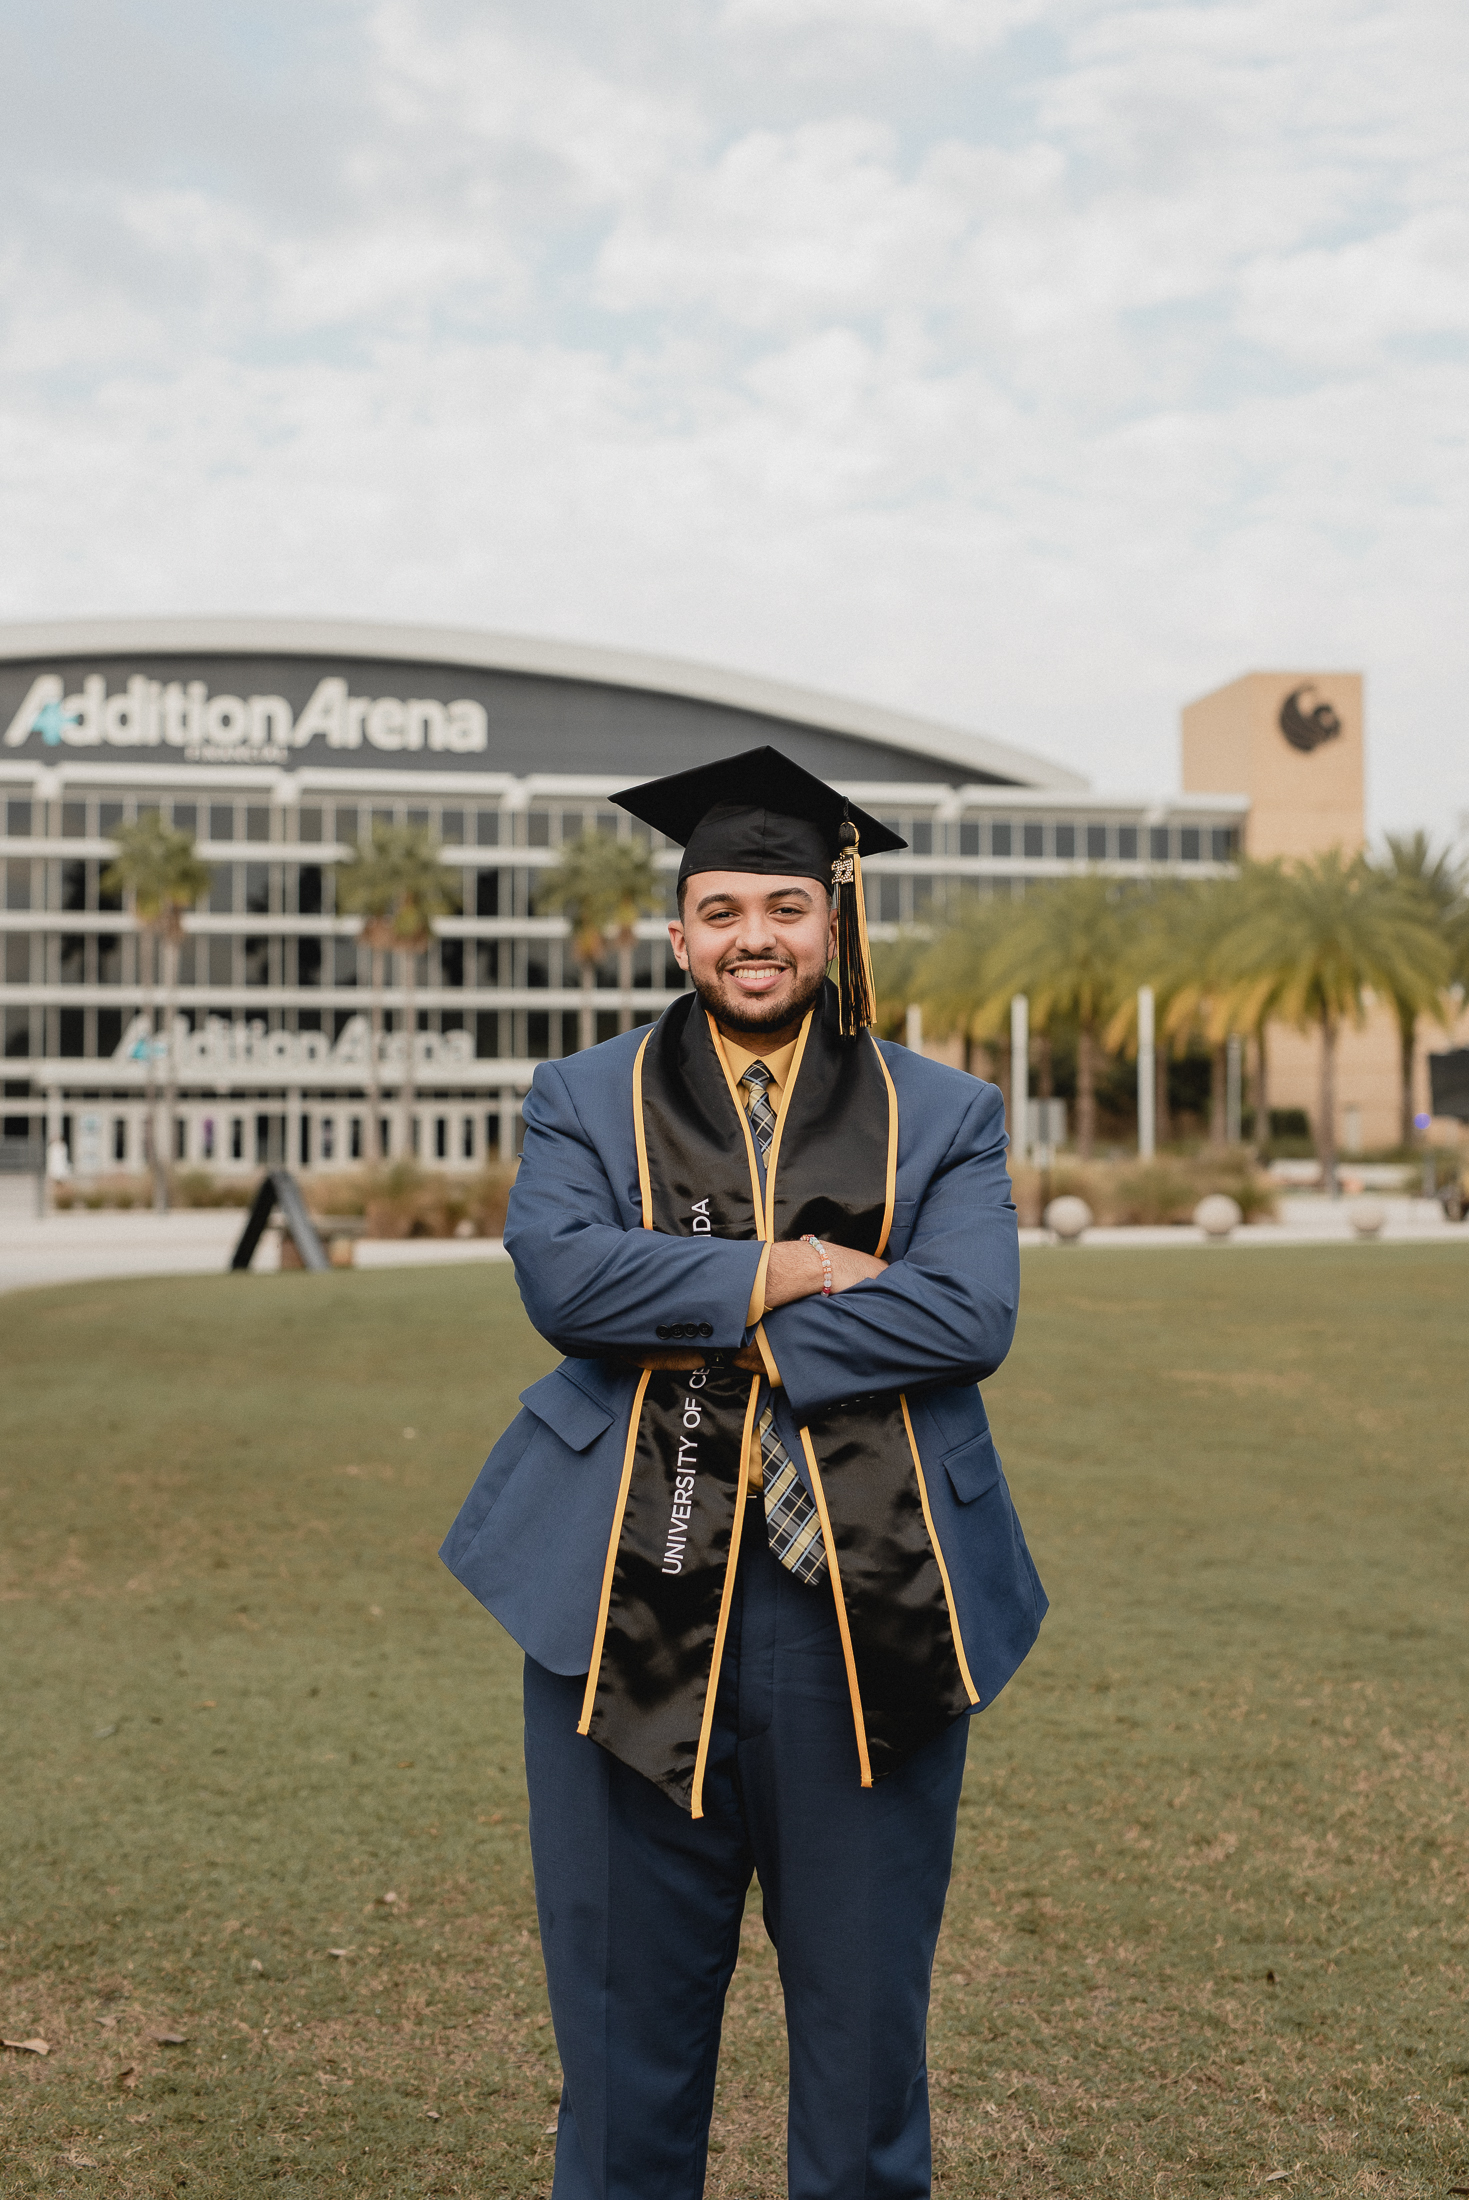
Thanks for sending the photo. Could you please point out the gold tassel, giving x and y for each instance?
(856, 993)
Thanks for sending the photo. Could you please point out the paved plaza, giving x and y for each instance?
(80, 1245)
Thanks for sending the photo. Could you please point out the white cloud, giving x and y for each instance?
(1038, 367)
(971, 25)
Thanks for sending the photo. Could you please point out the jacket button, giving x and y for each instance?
(663, 1333)
(706, 1329)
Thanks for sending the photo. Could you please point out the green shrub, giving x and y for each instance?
(1164, 1190)
(408, 1201)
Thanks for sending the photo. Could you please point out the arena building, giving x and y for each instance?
(276, 742)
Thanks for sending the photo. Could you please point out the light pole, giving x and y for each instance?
(1147, 1090)
(1233, 1090)
(1020, 1073)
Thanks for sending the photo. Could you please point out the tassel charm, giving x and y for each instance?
(856, 994)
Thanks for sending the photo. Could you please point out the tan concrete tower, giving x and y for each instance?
(1291, 741)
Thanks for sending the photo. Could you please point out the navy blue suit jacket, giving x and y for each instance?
(531, 1540)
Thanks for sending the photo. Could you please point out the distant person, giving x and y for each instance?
(752, 1534)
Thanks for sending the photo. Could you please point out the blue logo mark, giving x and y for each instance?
(50, 719)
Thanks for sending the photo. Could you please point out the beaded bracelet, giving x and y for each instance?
(825, 1259)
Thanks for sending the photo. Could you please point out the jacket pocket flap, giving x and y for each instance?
(973, 1468)
(566, 1409)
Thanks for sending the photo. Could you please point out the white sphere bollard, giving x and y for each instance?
(1367, 1215)
(1067, 1218)
(1218, 1216)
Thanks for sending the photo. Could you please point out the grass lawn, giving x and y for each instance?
(1210, 1918)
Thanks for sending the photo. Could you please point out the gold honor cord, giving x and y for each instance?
(828, 1539)
(640, 1133)
(706, 1724)
(659, 1645)
(772, 1159)
(829, 1543)
(742, 1115)
(964, 1673)
(892, 1155)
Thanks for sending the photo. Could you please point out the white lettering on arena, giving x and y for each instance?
(685, 1468)
(226, 729)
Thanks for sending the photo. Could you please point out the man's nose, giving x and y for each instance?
(753, 936)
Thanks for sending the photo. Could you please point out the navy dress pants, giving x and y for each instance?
(640, 1910)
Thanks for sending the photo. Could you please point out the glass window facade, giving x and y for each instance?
(272, 983)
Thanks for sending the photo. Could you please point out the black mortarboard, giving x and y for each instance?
(760, 812)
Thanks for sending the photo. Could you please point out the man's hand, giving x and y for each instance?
(794, 1271)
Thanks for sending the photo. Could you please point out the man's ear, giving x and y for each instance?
(678, 943)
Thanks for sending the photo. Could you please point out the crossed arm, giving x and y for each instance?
(943, 1313)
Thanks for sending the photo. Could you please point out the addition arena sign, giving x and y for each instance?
(181, 713)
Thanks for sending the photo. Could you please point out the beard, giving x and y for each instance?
(749, 1020)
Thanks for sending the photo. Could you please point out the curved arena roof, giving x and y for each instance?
(553, 706)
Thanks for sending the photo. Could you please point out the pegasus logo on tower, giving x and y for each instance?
(1307, 729)
(224, 729)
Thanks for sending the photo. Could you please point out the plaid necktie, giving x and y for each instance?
(761, 1113)
(791, 1519)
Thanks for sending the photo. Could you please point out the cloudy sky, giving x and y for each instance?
(1032, 364)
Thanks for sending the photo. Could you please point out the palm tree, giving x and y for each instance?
(1439, 882)
(1320, 935)
(1253, 1004)
(399, 888)
(896, 965)
(602, 887)
(1198, 970)
(1067, 948)
(948, 976)
(160, 875)
(1161, 951)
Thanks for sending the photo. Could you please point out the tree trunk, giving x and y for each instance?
(407, 1090)
(586, 1034)
(1162, 1120)
(157, 1166)
(169, 949)
(1407, 1048)
(1326, 1126)
(1006, 1064)
(1086, 1092)
(1217, 1096)
(373, 1144)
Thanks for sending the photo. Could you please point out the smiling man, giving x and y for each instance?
(752, 1534)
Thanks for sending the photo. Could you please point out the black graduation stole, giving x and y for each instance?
(682, 1506)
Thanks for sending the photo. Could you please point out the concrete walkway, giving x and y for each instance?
(80, 1247)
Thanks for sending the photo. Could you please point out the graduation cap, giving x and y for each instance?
(760, 812)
